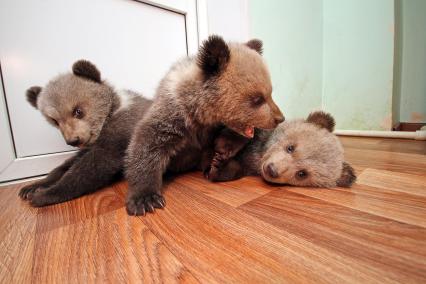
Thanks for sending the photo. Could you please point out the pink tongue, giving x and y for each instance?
(249, 131)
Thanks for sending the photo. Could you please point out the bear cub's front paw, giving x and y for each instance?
(139, 205)
(28, 190)
(42, 197)
(216, 164)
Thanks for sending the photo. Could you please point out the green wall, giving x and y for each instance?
(397, 64)
(292, 35)
(342, 56)
(358, 63)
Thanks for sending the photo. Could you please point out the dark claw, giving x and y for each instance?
(140, 205)
(206, 172)
(216, 161)
(159, 201)
(140, 212)
(148, 205)
(30, 195)
(213, 174)
(133, 208)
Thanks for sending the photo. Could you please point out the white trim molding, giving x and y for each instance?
(33, 166)
(416, 135)
(7, 151)
(188, 8)
(202, 21)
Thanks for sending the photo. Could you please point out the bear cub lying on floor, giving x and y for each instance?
(298, 152)
(92, 116)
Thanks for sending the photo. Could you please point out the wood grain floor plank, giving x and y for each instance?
(216, 241)
(384, 144)
(17, 232)
(113, 248)
(85, 207)
(241, 231)
(375, 243)
(408, 183)
(398, 206)
(391, 161)
(233, 193)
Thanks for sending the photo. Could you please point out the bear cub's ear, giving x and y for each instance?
(256, 44)
(348, 177)
(213, 55)
(32, 95)
(86, 69)
(322, 119)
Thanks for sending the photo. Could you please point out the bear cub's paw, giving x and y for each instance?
(218, 161)
(40, 198)
(139, 205)
(28, 190)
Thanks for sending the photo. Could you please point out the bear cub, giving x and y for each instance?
(298, 152)
(91, 115)
(224, 84)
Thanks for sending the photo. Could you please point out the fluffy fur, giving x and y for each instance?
(225, 84)
(90, 114)
(298, 152)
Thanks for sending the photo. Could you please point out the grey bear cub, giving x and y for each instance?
(224, 84)
(298, 152)
(92, 116)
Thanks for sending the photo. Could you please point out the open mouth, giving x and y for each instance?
(246, 131)
(249, 131)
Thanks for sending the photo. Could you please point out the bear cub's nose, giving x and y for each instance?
(271, 171)
(74, 142)
(279, 118)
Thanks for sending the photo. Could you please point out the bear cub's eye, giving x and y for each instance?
(77, 113)
(257, 100)
(290, 149)
(301, 174)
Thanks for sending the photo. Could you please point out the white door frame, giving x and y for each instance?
(13, 168)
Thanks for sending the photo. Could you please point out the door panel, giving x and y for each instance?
(6, 143)
(132, 43)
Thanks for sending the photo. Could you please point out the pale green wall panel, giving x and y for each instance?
(348, 57)
(358, 63)
(292, 35)
(413, 80)
(397, 67)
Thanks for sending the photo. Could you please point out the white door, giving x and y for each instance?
(133, 43)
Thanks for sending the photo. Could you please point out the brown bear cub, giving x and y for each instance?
(92, 116)
(225, 84)
(297, 152)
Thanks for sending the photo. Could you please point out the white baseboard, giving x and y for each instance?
(33, 166)
(415, 135)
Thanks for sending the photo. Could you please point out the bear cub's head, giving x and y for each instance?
(77, 103)
(306, 153)
(239, 84)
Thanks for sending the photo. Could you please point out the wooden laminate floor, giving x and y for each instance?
(242, 231)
